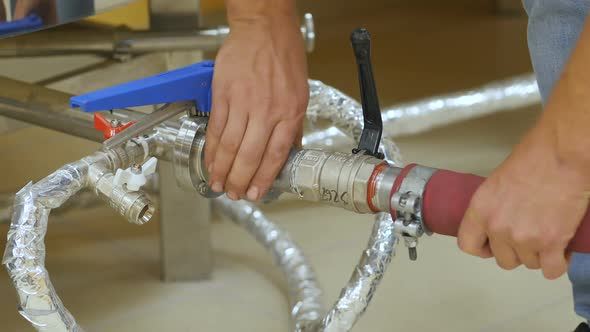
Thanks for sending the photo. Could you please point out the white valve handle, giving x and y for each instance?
(135, 176)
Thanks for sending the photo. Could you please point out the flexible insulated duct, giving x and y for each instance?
(24, 256)
(416, 116)
(304, 292)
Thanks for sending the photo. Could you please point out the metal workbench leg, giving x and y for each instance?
(185, 218)
(185, 236)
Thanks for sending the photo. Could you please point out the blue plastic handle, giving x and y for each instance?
(191, 83)
(31, 22)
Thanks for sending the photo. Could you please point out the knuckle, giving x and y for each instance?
(229, 145)
(547, 240)
(279, 152)
(523, 236)
(497, 227)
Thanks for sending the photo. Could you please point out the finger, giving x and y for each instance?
(215, 126)
(2, 13)
(529, 258)
(248, 159)
(299, 138)
(226, 151)
(505, 255)
(472, 237)
(554, 263)
(274, 157)
(24, 8)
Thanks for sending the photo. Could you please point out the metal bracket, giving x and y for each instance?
(407, 204)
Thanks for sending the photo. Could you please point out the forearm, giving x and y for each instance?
(567, 116)
(248, 11)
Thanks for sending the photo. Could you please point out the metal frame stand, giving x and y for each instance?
(185, 217)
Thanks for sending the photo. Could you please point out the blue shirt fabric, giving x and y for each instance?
(553, 31)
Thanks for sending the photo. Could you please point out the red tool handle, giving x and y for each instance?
(447, 196)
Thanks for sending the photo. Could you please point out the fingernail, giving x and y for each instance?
(232, 196)
(252, 193)
(217, 187)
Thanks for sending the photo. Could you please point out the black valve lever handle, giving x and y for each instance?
(373, 125)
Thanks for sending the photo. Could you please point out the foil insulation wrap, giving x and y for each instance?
(356, 296)
(418, 116)
(24, 256)
(344, 114)
(85, 199)
(346, 118)
(304, 292)
(415, 117)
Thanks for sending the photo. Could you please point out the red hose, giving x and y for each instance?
(448, 194)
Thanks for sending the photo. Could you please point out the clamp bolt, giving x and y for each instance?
(136, 169)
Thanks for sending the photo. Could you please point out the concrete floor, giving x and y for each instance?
(107, 272)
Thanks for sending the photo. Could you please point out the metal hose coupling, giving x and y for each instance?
(188, 157)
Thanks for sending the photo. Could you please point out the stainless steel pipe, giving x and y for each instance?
(50, 109)
(122, 43)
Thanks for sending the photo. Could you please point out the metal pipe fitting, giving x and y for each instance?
(335, 178)
(50, 109)
(188, 151)
(135, 206)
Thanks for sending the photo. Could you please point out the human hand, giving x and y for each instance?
(260, 96)
(529, 209)
(46, 9)
(24, 8)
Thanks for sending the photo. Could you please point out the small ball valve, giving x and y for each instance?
(134, 177)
